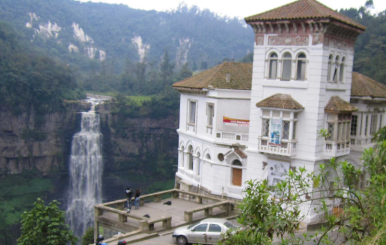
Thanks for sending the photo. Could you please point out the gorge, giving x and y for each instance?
(139, 152)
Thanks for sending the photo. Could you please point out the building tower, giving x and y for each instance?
(302, 73)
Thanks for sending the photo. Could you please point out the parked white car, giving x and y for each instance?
(207, 231)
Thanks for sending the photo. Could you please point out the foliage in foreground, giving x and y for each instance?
(349, 200)
(88, 237)
(45, 225)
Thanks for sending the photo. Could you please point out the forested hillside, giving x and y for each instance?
(72, 31)
(370, 48)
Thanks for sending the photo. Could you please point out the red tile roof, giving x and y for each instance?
(337, 104)
(281, 101)
(240, 77)
(363, 86)
(304, 9)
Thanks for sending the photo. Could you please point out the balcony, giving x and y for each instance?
(287, 148)
(333, 149)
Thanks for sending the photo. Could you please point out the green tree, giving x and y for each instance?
(45, 225)
(347, 199)
(88, 237)
(185, 72)
(166, 68)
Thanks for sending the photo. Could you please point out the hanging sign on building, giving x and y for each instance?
(275, 132)
(235, 122)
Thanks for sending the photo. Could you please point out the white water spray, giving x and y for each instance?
(86, 167)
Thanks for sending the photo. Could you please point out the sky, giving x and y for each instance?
(237, 8)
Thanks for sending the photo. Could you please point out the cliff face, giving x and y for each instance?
(137, 151)
(31, 142)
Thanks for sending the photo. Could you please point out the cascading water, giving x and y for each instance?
(86, 166)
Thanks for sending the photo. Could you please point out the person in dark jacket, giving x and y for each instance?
(129, 195)
(136, 200)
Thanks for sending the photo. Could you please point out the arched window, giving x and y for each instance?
(207, 156)
(336, 70)
(273, 66)
(341, 72)
(190, 158)
(287, 67)
(330, 64)
(198, 164)
(301, 67)
(182, 156)
(237, 173)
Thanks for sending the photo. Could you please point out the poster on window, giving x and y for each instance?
(277, 171)
(275, 132)
(235, 122)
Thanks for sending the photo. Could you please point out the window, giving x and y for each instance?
(294, 131)
(210, 113)
(286, 130)
(207, 156)
(336, 70)
(214, 228)
(287, 67)
(330, 64)
(265, 128)
(354, 124)
(192, 112)
(182, 156)
(190, 157)
(330, 128)
(200, 228)
(198, 164)
(366, 124)
(301, 67)
(373, 125)
(273, 66)
(341, 72)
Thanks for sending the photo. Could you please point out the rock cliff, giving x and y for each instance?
(31, 142)
(137, 151)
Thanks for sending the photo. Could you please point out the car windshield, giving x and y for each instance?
(193, 225)
(230, 225)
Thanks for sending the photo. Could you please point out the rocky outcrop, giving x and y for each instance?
(137, 151)
(31, 142)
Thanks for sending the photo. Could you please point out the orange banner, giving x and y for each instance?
(234, 121)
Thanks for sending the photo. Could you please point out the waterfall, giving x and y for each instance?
(86, 167)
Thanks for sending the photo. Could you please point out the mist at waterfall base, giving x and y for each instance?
(86, 167)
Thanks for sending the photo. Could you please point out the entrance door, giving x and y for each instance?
(237, 175)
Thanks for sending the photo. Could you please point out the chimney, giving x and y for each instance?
(228, 78)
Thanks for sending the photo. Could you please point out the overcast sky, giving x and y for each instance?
(237, 8)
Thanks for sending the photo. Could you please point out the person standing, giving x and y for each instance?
(129, 195)
(137, 196)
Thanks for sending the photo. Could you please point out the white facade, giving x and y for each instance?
(304, 61)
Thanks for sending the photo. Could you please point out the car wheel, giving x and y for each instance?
(181, 240)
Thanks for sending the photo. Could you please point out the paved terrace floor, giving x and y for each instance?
(158, 209)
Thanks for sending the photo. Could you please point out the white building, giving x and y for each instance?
(241, 121)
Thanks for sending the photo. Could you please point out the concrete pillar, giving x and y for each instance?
(141, 202)
(209, 212)
(157, 198)
(122, 218)
(199, 199)
(167, 223)
(143, 226)
(188, 217)
(96, 228)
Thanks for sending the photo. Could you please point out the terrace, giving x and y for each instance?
(186, 207)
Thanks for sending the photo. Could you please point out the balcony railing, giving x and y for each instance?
(333, 149)
(232, 136)
(287, 148)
